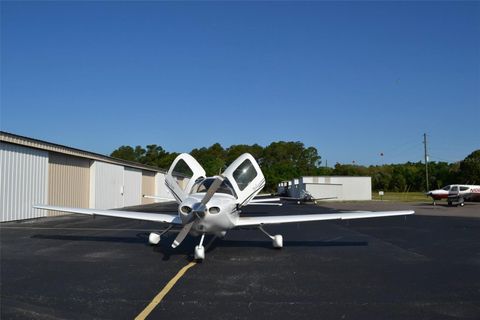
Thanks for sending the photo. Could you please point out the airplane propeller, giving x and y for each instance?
(198, 211)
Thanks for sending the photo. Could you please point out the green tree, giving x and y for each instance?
(212, 158)
(287, 160)
(470, 168)
(125, 153)
(128, 153)
(153, 155)
(165, 161)
(234, 151)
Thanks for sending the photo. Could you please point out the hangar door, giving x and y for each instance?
(114, 186)
(132, 187)
(68, 181)
(23, 176)
(148, 185)
(106, 185)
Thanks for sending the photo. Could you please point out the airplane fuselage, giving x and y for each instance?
(470, 192)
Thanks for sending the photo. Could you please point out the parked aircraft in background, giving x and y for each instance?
(305, 198)
(212, 205)
(456, 194)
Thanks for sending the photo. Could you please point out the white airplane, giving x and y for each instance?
(212, 205)
(456, 194)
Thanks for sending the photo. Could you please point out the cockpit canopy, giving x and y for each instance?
(202, 185)
(455, 188)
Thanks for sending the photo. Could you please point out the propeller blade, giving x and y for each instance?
(211, 191)
(182, 234)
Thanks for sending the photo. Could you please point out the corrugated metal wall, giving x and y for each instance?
(132, 187)
(343, 188)
(23, 176)
(68, 181)
(148, 185)
(106, 185)
(34, 171)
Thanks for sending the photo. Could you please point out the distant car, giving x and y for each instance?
(456, 194)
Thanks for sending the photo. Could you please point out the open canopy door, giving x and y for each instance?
(181, 176)
(246, 178)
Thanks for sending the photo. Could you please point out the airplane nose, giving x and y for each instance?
(200, 214)
(199, 209)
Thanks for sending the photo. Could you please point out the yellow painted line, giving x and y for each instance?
(159, 297)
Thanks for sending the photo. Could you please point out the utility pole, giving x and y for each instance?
(426, 158)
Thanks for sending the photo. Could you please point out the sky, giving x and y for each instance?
(353, 79)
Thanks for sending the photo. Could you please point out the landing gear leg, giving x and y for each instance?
(154, 238)
(277, 240)
(199, 253)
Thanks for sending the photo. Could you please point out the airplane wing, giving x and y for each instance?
(260, 195)
(256, 221)
(255, 200)
(147, 216)
(161, 199)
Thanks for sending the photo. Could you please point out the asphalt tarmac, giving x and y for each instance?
(425, 266)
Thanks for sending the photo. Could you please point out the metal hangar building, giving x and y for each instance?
(338, 188)
(39, 172)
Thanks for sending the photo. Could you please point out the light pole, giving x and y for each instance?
(426, 159)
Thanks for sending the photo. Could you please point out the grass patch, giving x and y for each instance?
(401, 196)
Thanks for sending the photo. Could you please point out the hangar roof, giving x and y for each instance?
(53, 147)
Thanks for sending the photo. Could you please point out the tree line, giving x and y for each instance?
(285, 160)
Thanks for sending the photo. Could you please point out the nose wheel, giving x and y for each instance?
(277, 240)
(199, 253)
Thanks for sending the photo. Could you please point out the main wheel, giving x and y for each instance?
(277, 241)
(199, 253)
(153, 238)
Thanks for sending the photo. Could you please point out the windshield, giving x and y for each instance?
(204, 184)
(446, 188)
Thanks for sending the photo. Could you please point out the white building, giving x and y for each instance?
(334, 187)
(38, 172)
